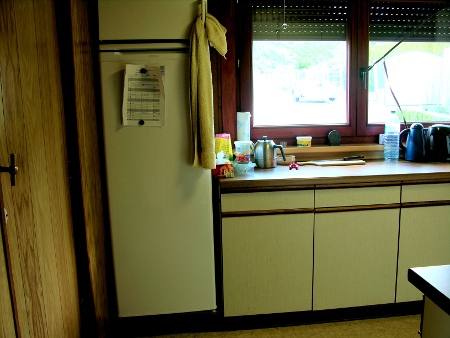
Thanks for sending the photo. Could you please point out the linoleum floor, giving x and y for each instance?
(392, 327)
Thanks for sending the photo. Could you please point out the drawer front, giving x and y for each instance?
(268, 200)
(357, 196)
(426, 192)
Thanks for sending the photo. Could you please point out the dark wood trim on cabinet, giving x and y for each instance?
(432, 181)
(424, 204)
(357, 208)
(244, 190)
(266, 212)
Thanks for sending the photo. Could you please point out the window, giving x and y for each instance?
(309, 71)
(299, 63)
(418, 70)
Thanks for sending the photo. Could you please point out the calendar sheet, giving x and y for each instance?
(143, 96)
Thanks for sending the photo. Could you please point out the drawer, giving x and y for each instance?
(426, 192)
(268, 200)
(357, 196)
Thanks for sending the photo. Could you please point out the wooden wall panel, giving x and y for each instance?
(225, 85)
(89, 138)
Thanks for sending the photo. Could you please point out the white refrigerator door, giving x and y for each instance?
(160, 206)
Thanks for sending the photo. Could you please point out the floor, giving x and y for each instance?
(395, 327)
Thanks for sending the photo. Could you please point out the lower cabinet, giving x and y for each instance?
(355, 256)
(424, 241)
(267, 264)
(330, 248)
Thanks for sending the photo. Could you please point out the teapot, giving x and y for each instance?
(417, 143)
(265, 153)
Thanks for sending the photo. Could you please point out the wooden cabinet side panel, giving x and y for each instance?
(424, 241)
(355, 258)
(267, 264)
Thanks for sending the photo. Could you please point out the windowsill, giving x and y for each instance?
(369, 151)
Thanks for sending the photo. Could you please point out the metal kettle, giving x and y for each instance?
(265, 153)
(417, 143)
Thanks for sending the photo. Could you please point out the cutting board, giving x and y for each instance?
(332, 162)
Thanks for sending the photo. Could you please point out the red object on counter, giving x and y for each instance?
(293, 165)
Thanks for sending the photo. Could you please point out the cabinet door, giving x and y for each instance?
(355, 255)
(267, 264)
(424, 241)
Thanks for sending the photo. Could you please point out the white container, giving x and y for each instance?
(243, 151)
(243, 126)
(304, 141)
(391, 138)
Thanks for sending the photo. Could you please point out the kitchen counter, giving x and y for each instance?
(434, 283)
(373, 172)
(283, 230)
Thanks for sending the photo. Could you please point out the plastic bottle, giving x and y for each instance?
(391, 138)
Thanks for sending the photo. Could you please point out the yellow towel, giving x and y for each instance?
(201, 89)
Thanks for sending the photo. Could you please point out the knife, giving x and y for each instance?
(356, 157)
(350, 160)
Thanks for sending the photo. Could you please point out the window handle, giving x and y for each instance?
(363, 75)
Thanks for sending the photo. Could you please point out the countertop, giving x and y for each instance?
(373, 172)
(433, 282)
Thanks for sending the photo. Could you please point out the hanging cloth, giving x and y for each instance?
(201, 89)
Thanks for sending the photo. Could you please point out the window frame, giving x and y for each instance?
(319, 133)
(357, 130)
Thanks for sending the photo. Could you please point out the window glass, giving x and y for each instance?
(299, 83)
(416, 73)
(299, 58)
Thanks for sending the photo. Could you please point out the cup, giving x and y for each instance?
(243, 151)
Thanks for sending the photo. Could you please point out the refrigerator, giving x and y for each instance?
(160, 206)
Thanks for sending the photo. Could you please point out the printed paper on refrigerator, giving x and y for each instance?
(143, 96)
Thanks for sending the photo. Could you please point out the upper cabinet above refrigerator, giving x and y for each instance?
(137, 19)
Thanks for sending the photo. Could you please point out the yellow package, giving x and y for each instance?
(223, 144)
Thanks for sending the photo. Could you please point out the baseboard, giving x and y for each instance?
(208, 321)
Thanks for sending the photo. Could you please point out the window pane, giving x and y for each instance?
(419, 75)
(299, 83)
(418, 69)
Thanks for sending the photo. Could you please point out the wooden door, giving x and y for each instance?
(7, 328)
(38, 235)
